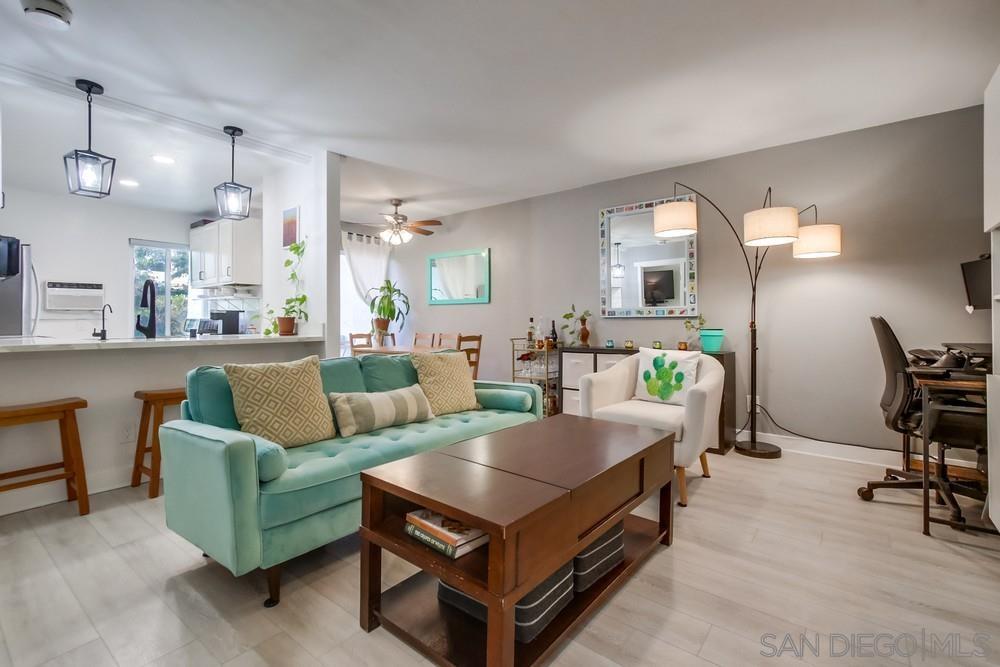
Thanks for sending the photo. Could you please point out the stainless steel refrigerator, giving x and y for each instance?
(18, 291)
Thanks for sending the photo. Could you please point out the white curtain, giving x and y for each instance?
(368, 260)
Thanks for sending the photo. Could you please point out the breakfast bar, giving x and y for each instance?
(107, 374)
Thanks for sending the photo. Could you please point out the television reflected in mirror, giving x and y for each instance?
(643, 275)
(459, 277)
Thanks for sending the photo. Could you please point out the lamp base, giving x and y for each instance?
(758, 449)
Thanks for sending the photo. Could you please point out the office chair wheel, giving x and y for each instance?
(890, 478)
(865, 493)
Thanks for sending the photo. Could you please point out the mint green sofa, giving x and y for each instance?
(251, 504)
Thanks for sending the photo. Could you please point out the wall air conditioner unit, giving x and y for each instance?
(74, 296)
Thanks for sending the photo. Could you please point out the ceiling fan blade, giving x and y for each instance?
(425, 223)
(388, 217)
(418, 230)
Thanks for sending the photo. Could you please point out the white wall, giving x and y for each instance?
(315, 189)
(991, 153)
(907, 194)
(86, 240)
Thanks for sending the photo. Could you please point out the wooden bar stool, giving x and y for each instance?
(153, 401)
(63, 411)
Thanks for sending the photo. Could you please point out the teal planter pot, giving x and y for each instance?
(711, 339)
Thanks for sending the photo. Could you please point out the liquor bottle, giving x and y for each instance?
(531, 330)
(553, 336)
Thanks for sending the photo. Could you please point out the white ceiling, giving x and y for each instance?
(474, 102)
(40, 126)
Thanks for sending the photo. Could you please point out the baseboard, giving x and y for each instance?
(833, 450)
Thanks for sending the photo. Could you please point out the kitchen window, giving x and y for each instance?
(167, 265)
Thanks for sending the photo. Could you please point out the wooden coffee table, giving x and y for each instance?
(543, 491)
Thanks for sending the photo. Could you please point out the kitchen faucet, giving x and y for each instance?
(103, 334)
(148, 301)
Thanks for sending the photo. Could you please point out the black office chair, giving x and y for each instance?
(902, 408)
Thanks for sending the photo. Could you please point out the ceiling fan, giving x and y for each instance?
(400, 230)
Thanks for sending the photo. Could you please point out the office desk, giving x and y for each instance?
(933, 390)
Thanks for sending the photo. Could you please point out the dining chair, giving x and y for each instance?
(423, 340)
(447, 340)
(472, 350)
(360, 341)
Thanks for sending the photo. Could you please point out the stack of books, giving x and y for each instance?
(450, 537)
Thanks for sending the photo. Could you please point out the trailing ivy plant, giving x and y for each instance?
(295, 305)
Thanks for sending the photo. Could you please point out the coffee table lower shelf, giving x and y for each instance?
(411, 610)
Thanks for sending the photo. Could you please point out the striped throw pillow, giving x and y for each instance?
(364, 412)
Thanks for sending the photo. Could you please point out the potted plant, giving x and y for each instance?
(388, 304)
(294, 308)
(711, 339)
(579, 336)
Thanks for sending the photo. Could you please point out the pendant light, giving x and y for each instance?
(816, 240)
(233, 199)
(771, 225)
(618, 269)
(88, 173)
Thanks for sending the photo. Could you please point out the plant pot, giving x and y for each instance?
(286, 326)
(711, 339)
(584, 333)
(381, 324)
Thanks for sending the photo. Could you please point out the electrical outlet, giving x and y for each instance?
(748, 403)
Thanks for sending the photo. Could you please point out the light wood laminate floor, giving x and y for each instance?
(765, 547)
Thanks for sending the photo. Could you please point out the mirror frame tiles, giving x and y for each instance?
(689, 307)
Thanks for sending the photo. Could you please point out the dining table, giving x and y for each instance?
(393, 349)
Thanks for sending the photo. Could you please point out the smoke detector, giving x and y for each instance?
(51, 14)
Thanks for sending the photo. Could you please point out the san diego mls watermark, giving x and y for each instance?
(916, 646)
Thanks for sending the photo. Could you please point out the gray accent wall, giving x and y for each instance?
(909, 196)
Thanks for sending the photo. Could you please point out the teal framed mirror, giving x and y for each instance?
(458, 277)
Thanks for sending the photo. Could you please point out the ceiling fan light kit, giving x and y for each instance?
(400, 230)
(232, 198)
(89, 173)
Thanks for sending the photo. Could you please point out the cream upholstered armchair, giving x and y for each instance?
(608, 395)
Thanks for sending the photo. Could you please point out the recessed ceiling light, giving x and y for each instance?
(163, 159)
(129, 183)
(52, 14)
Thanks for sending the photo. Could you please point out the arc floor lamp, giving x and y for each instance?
(762, 228)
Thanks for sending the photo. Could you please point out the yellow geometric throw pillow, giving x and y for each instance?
(446, 379)
(282, 402)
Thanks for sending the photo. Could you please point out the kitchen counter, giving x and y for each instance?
(41, 344)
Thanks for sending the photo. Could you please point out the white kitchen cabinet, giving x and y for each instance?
(226, 252)
(204, 242)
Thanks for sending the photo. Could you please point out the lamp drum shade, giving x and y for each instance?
(775, 225)
(675, 219)
(817, 241)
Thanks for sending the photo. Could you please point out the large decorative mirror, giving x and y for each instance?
(643, 275)
(459, 277)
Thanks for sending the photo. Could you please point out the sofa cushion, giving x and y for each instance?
(385, 372)
(326, 474)
(210, 398)
(644, 413)
(282, 402)
(362, 412)
(665, 376)
(447, 381)
(504, 399)
(341, 375)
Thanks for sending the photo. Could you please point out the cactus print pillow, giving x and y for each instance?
(665, 376)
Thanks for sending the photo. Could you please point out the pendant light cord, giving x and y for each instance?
(90, 99)
(232, 164)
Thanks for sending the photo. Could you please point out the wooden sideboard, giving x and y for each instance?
(575, 362)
